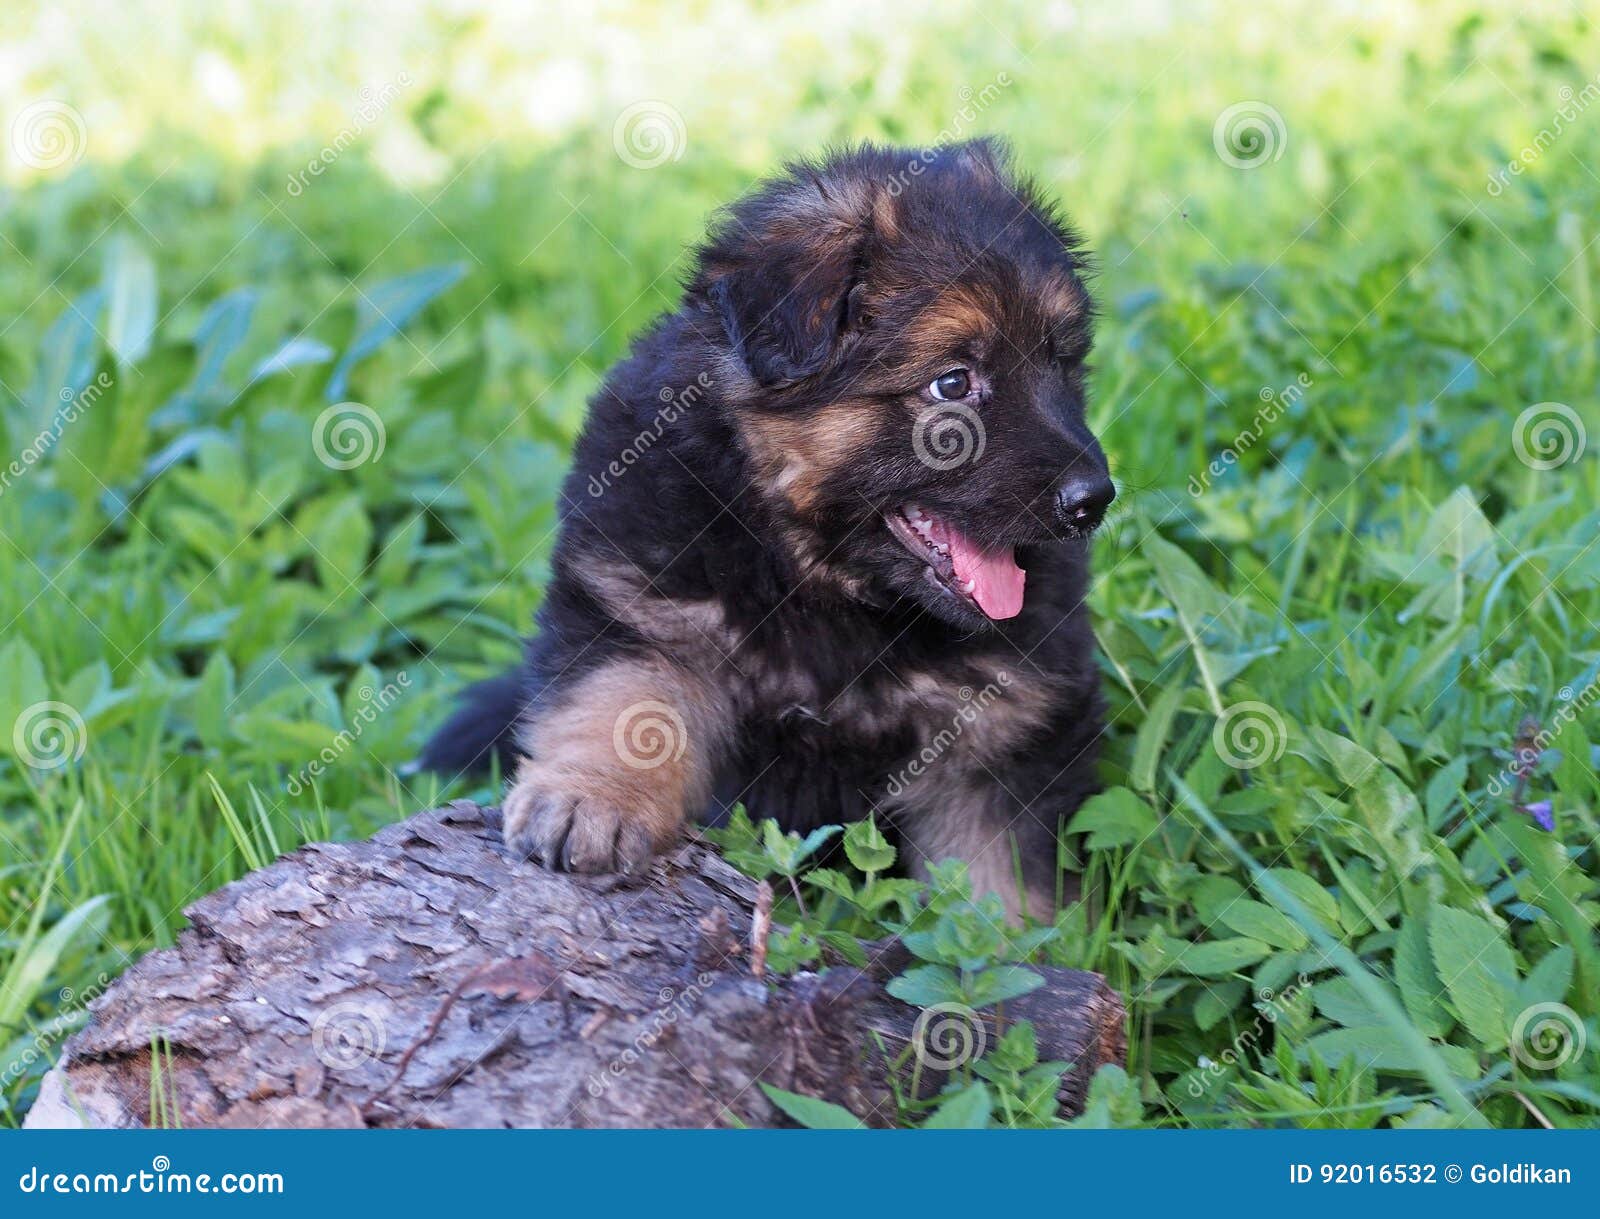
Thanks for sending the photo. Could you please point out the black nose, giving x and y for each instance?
(1083, 500)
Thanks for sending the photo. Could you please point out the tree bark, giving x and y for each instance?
(425, 978)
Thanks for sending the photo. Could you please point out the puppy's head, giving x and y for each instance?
(904, 334)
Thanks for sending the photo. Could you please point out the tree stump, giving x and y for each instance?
(425, 978)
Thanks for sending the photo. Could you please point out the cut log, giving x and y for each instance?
(425, 978)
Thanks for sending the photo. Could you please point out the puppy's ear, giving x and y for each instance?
(787, 277)
(786, 316)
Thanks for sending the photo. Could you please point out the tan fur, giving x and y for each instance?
(960, 315)
(615, 767)
(695, 632)
(795, 457)
(964, 820)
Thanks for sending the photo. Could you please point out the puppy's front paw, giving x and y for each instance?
(575, 832)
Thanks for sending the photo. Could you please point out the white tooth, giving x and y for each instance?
(969, 586)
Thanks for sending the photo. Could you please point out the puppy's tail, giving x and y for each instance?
(482, 728)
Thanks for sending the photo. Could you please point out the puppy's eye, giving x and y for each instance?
(957, 383)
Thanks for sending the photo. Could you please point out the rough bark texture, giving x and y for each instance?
(526, 998)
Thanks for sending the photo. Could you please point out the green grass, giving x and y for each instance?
(1345, 934)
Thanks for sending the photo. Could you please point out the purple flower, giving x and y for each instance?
(1542, 813)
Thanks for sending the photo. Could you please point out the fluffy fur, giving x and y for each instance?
(737, 610)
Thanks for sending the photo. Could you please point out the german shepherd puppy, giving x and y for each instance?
(825, 542)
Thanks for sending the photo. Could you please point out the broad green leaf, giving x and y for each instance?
(382, 311)
(130, 286)
(213, 693)
(812, 1113)
(1375, 1048)
(1478, 971)
(1113, 818)
(1002, 983)
(1420, 989)
(866, 847)
(1262, 922)
(1309, 894)
(1197, 603)
(926, 986)
(967, 1109)
(67, 359)
(1216, 957)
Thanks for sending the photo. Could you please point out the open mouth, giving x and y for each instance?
(988, 580)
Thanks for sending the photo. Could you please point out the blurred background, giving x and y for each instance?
(300, 304)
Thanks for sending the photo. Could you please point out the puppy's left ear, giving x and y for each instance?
(794, 289)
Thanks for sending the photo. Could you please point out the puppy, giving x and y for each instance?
(825, 542)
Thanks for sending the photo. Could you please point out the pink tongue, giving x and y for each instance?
(996, 578)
